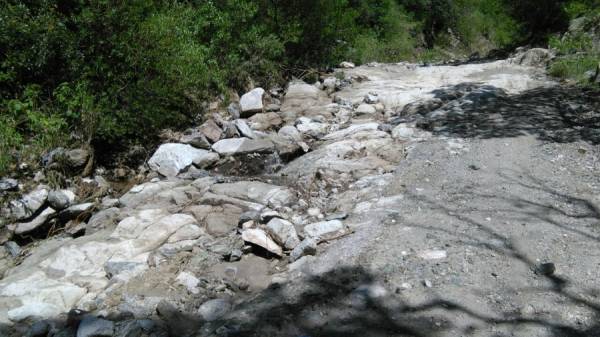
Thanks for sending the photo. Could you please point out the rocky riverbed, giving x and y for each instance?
(386, 199)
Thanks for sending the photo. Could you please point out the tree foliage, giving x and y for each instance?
(109, 72)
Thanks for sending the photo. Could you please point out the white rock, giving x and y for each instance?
(172, 158)
(325, 230)
(347, 65)
(283, 232)
(244, 128)
(260, 238)
(206, 160)
(29, 203)
(187, 232)
(41, 219)
(40, 296)
(255, 191)
(365, 109)
(352, 129)
(312, 128)
(403, 131)
(233, 146)
(189, 281)
(252, 102)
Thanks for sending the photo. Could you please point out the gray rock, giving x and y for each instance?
(252, 102)
(244, 129)
(195, 138)
(234, 110)
(207, 160)
(273, 107)
(230, 130)
(60, 199)
(255, 191)
(28, 204)
(291, 133)
(347, 65)
(75, 211)
(235, 255)
(95, 327)
(308, 246)
(535, 57)
(265, 121)
(8, 184)
(214, 309)
(172, 158)
(12, 248)
(283, 232)
(325, 230)
(39, 329)
(77, 157)
(311, 128)
(211, 130)
(42, 218)
(234, 146)
(103, 219)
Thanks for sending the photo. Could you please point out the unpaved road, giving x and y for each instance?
(490, 227)
(469, 197)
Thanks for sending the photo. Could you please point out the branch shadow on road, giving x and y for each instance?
(556, 114)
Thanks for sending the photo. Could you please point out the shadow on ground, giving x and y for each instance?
(558, 114)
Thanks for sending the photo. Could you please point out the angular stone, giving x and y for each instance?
(325, 230)
(308, 246)
(60, 199)
(211, 130)
(283, 232)
(265, 121)
(255, 191)
(260, 238)
(252, 102)
(207, 160)
(195, 138)
(172, 158)
(42, 218)
(74, 211)
(28, 204)
(234, 146)
(244, 129)
(222, 219)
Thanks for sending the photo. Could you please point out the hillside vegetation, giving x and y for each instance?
(111, 73)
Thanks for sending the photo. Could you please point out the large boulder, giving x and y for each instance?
(234, 146)
(252, 102)
(535, 57)
(172, 158)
